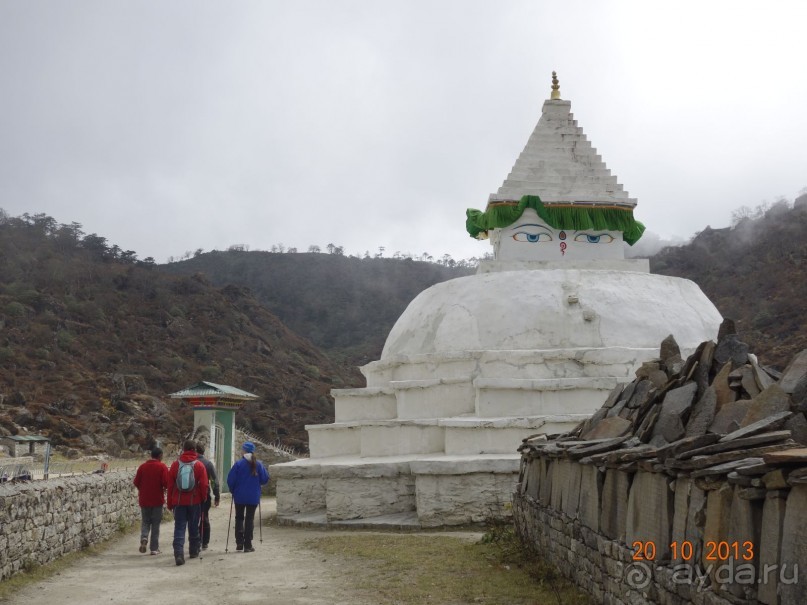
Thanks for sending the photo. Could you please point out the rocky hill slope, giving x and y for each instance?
(756, 274)
(92, 341)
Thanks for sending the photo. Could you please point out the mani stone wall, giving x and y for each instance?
(688, 486)
(42, 520)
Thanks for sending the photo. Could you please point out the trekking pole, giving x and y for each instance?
(260, 522)
(230, 522)
(201, 530)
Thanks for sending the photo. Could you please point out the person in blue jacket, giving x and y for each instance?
(245, 480)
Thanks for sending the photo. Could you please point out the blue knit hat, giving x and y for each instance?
(248, 447)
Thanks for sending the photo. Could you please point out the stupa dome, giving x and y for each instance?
(552, 309)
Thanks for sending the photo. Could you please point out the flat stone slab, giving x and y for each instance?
(736, 444)
(731, 349)
(756, 470)
(610, 427)
(703, 413)
(720, 384)
(797, 425)
(681, 448)
(794, 372)
(772, 400)
(790, 456)
(776, 479)
(698, 462)
(749, 381)
(729, 418)
(573, 443)
(770, 422)
(590, 449)
(726, 467)
(397, 521)
(670, 424)
(799, 476)
(736, 478)
(344, 467)
(639, 452)
(764, 380)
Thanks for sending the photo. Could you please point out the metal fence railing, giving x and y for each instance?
(17, 473)
(278, 447)
(14, 471)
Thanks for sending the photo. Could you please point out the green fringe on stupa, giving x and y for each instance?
(558, 217)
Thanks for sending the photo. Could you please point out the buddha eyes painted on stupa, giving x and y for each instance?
(530, 237)
(532, 233)
(591, 238)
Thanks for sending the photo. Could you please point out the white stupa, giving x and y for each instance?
(532, 343)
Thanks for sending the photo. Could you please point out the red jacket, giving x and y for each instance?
(151, 481)
(199, 494)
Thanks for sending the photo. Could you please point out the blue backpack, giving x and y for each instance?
(186, 480)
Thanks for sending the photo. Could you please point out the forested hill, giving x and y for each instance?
(93, 340)
(755, 273)
(344, 305)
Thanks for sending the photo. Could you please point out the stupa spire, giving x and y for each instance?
(560, 175)
(555, 96)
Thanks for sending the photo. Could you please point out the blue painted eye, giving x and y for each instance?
(589, 238)
(532, 238)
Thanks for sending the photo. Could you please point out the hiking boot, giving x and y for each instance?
(204, 546)
(143, 543)
(180, 559)
(239, 547)
(194, 555)
(249, 549)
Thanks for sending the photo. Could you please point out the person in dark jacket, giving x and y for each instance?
(213, 495)
(245, 480)
(187, 506)
(151, 481)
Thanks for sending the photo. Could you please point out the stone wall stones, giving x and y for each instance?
(620, 572)
(702, 500)
(42, 520)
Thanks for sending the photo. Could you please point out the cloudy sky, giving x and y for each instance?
(171, 126)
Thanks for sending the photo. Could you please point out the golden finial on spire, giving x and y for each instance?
(555, 87)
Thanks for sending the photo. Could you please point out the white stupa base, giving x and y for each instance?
(474, 366)
(415, 490)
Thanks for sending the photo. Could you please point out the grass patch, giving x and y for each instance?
(448, 569)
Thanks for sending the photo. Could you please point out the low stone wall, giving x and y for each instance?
(42, 520)
(689, 485)
(646, 538)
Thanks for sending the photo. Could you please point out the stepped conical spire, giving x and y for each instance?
(560, 167)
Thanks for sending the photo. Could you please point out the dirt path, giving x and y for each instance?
(280, 571)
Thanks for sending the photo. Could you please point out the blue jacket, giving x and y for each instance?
(244, 486)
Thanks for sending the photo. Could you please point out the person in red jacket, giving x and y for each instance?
(186, 500)
(151, 481)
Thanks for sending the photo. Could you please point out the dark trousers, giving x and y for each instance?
(187, 516)
(244, 523)
(150, 519)
(205, 522)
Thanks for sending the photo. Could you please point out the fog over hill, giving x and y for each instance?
(755, 272)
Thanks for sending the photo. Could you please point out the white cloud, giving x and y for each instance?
(167, 127)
